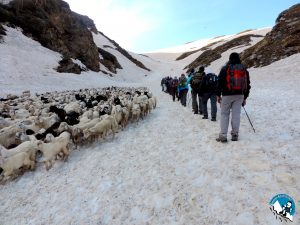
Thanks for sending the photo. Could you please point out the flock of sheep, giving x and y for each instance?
(40, 128)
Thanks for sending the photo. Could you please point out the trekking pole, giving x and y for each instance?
(249, 119)
(189, 100)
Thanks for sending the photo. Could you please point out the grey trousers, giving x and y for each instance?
(195, 103)
(234, 103)
(213, 103)
(183, 95)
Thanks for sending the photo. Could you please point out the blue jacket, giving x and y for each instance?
(189, 79)
(186, 87)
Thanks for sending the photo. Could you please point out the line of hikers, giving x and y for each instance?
(230, 88)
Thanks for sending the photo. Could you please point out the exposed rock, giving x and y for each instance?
(2, 32)
(66, 65)
(186, 54)
(282, 41)
(109, 61)
(126, 54)
(55, 26)
(207, 47)
(210, 55)
(87, 22)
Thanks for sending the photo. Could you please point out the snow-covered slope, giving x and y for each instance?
(168, 169)
(130, 71)
(173, 53)
(26, 65)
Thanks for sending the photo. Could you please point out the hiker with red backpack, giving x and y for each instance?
(208, 91)
(234, 86)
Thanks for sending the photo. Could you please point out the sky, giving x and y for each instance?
(146, 25)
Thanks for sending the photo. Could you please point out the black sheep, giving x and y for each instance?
(61, 113)
(72, 118)
(51, 130)
(117, 101)
(101, 97)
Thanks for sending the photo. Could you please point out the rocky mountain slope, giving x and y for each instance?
(56, 27)
(211, 53)
(281, 42)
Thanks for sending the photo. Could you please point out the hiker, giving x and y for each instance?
(168, 84)
(234, 87)
(174, 87)
(183, 89)
(208, 91)
(196, 82)
(162, 83)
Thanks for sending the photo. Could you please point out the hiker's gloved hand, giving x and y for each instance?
(244, 102)
(219, 99)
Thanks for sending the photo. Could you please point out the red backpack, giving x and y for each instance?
(175, 83)
(236, 78)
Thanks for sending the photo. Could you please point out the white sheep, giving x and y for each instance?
(52, 149)
(101, 129)
(73, 106)
(10, 164)
(76, 133)
(46, 122)
(8, 135)
(136, 113)
(30, 147)
(5, 123)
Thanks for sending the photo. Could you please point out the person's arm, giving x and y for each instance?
(221, 82)
(246, 94)
(189, 79)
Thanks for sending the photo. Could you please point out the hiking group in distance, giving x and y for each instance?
(230, 88)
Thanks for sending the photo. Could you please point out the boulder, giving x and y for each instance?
(55, 26)
(282, 41)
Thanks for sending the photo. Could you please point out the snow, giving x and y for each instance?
(5, 2)
(172, 53)
(168, 169)
(26, 65)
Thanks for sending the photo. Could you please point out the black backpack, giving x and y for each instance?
(211, 80)
(196, 81)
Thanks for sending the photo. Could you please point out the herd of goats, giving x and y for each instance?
(41, 128)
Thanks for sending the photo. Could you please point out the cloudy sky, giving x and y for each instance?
(147, 25)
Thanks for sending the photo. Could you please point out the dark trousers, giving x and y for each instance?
(195, 103)
(174, 93)
(213, 103)
(182, 95)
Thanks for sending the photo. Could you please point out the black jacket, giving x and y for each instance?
(207, 88)
(222, 88)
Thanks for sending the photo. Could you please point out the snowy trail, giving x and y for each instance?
(169, 169)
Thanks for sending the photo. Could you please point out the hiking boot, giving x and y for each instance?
(195, 112)
(221, 139)
(205, 117)
(234, 138)
(213, 119)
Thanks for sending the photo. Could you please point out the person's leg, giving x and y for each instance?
(173, 94)
(194, 102)
(180, 96)
(205, 98)
(184, 96)
(213, 103)
(236, 115)
(226, 104)
(200, 104)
